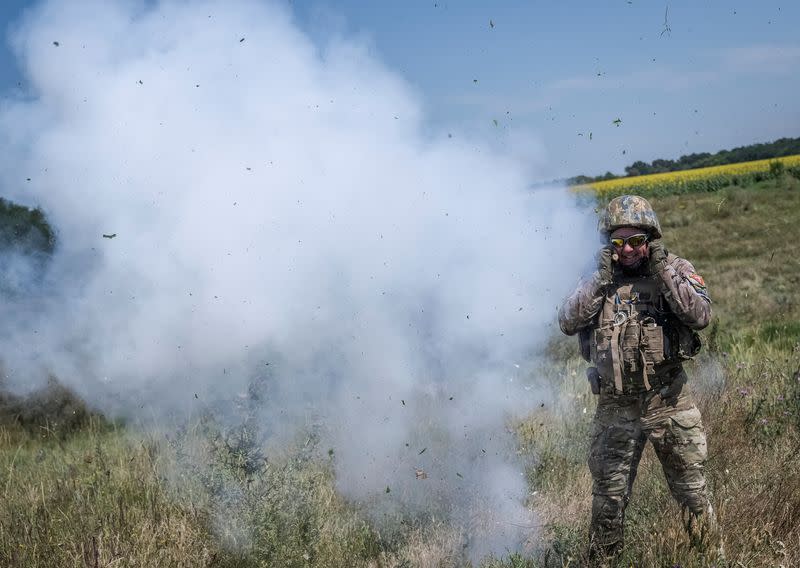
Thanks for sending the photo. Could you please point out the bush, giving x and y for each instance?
(25, 229)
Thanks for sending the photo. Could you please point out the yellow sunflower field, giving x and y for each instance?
(696, 180)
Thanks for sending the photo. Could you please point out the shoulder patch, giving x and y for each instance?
(698, 284)
(697, 280)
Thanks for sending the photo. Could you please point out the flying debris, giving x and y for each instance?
(491, 24)
(616, 122)
(667, 30)
(327, 387)
(56, 43)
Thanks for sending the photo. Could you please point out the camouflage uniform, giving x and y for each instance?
(641, 394)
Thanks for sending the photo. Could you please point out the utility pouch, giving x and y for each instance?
(585, 342)
(653, 342)
(600, 351)
(689, 343)
(593, 376)
(630, 346)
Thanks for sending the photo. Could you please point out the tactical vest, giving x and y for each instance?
(637, 337)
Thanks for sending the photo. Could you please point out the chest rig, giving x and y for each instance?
(628, 341)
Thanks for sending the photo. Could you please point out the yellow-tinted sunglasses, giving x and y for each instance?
(634, 240)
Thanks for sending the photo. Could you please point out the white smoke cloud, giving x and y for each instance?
(281, 205)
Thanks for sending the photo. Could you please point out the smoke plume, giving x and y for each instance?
(235, 202)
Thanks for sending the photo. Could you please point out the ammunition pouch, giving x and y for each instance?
(682, 342)
(585, 342)
(689, 343)
(593, 376)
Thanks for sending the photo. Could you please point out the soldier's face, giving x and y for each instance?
(630, 257)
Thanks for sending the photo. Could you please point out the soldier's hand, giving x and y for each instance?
(605, 264)
(658, 256)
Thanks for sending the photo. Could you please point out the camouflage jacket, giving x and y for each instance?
(683, 289)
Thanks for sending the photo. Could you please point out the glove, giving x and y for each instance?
(658, 256)
(605, 264)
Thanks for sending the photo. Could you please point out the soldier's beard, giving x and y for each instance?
(633, 268)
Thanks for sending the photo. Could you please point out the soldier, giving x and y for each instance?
(636, 318)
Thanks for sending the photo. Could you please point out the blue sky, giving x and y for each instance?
(682, 76)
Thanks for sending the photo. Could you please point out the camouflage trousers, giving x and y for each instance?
(622, 425)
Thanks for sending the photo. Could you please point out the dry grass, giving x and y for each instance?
(437, 545)
(78, 491)
(94, 500)
(753, 470)
(742, 241)
(746, 383)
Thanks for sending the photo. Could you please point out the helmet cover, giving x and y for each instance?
(629, 211)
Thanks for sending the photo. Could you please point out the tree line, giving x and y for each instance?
(24, 229)
(776, 149)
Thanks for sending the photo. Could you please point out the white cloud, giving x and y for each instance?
(659, 78)
(769, 58)
(718, 65)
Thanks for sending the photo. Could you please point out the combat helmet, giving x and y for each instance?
(629, 211)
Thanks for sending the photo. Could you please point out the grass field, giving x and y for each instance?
(78, 490)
